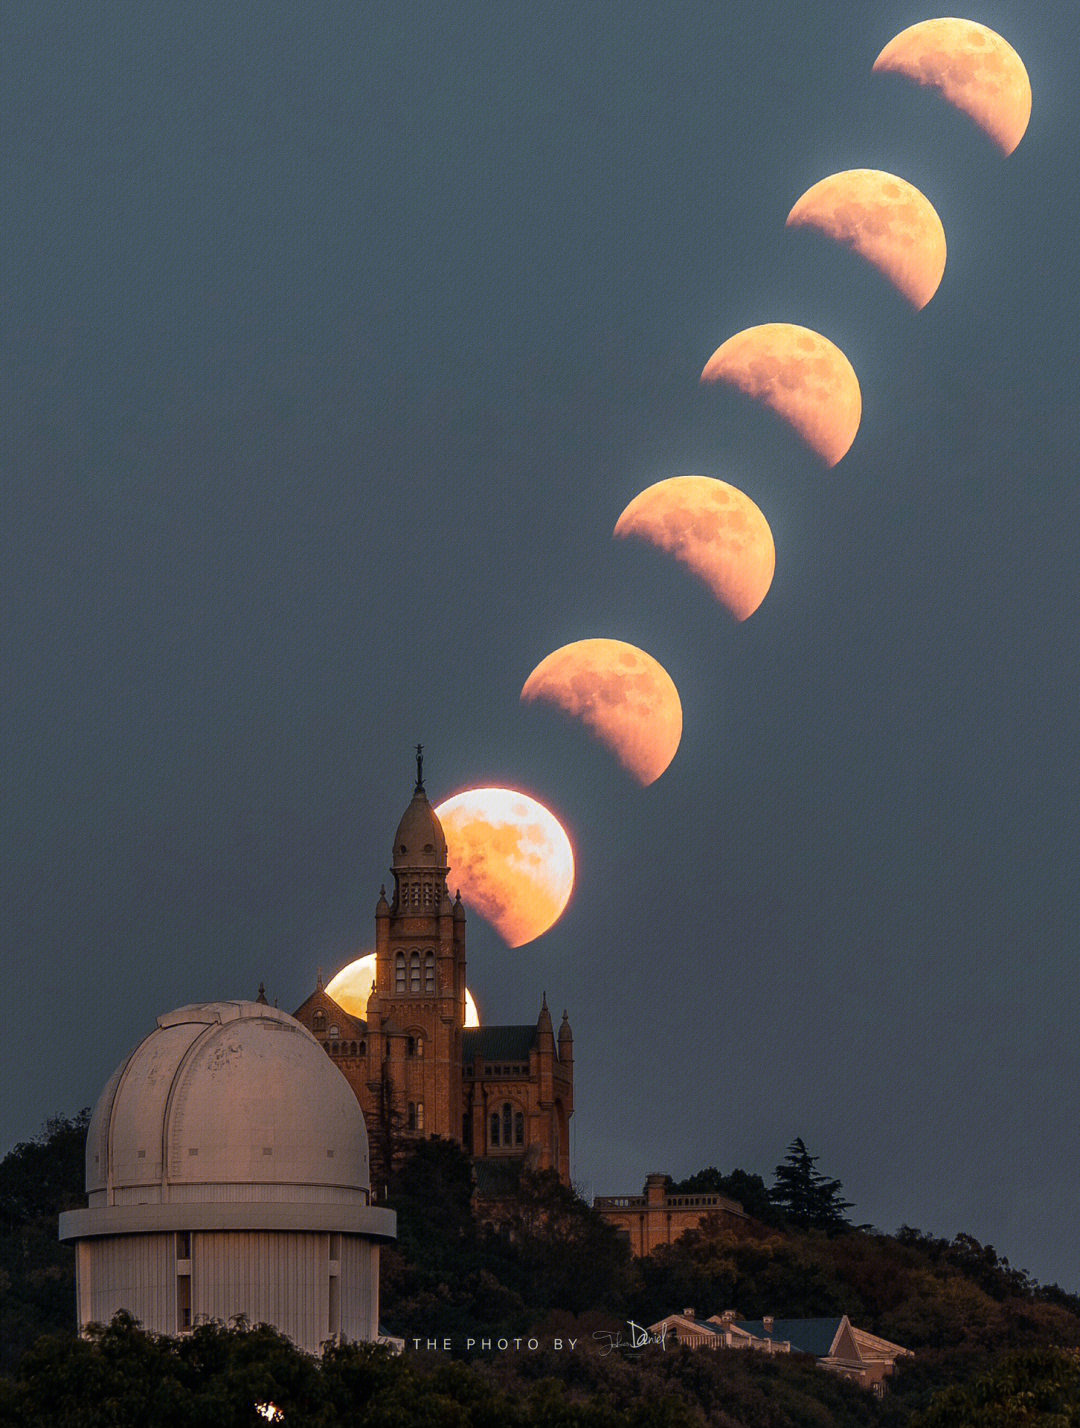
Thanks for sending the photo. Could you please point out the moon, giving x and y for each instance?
(713, 529)
(886, 220)
(510, 857)
(803, 377)
(351, 987)
(973, 67)
(622, 694)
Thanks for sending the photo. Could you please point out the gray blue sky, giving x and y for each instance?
(335, 337)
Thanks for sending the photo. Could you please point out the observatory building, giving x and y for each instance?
(227, 1174)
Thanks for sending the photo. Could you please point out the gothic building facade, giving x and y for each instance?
(503, 1093)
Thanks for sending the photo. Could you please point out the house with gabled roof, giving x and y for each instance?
(833, 1342)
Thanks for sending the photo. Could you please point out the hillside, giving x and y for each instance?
(543, 1263)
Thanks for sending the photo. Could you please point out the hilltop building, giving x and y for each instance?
(657, 1217)
(227, 1174)
(505, 1094)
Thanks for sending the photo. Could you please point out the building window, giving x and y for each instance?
(414, 972)
(363, 1048)
(494, 1136)
(318, 1021)
(335, 1030)
(410, 1120)
(183, 1244)
(519, 1128)
(429, 973)
(508, 1124)
(399, 972)
(414, 1046)
(415, 1118)
(420, 1115)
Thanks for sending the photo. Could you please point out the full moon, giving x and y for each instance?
(886, 220)
(622, 694)
(713, 529)
(511, 858)
(973, 67)
(801, 376)
(351, 987)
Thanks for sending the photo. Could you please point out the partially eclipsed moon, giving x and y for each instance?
(712, 528)
(801, 376)
(351, 987)
(622, 694)
(511, 858)
(973, 67)
(886, 220)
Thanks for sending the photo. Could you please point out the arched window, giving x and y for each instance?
(494, 1135)
(508, 1124)
(399, 972)
(334, 1030)
(519, 1128)
(429, 973)
(419, 1115)
(414, 972)
(419, 1046)
(318, 1021)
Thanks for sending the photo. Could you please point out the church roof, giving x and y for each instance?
(497, 1043)
(806, 1336)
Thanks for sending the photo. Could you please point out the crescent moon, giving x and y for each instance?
(712, 528)
(510, 857)
(973, 67)
(622, 694)
(351, 987)
(801, 376)
(886, 220)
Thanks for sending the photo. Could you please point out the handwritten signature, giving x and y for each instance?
(639, 1337)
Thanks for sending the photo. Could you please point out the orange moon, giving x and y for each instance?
(973, 67)
(886, 220)
(714, 530)
(511, 858)
(622, 694)
(801, 376)
(351, 987)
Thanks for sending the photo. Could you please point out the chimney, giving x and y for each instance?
(729, 1316)
(688, 1313)
(767, 1323)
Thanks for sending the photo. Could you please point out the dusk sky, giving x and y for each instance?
(336, 337)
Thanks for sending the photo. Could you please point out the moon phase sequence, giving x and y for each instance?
(351, 987)
(622, 694)
(801, 376)
(885, 220)
(510, 857)
(973, 67)
(713, 529)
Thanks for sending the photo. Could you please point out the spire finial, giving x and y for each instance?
(419, 768)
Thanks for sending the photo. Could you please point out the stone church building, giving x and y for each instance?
(504, 1093)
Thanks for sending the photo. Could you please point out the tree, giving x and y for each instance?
(804, 1195)
(1039, 1388)
(744, 1188)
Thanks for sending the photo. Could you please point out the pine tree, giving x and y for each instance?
(804, 1195)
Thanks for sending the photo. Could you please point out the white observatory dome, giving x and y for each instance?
(227, 1101)
(227, 1174)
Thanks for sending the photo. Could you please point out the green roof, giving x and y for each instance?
(806, 1336)
(497, 1043)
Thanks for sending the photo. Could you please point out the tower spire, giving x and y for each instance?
(419, 768)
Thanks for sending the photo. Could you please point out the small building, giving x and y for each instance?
(834, 1343)
(658, 1217)
(227, 1174)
